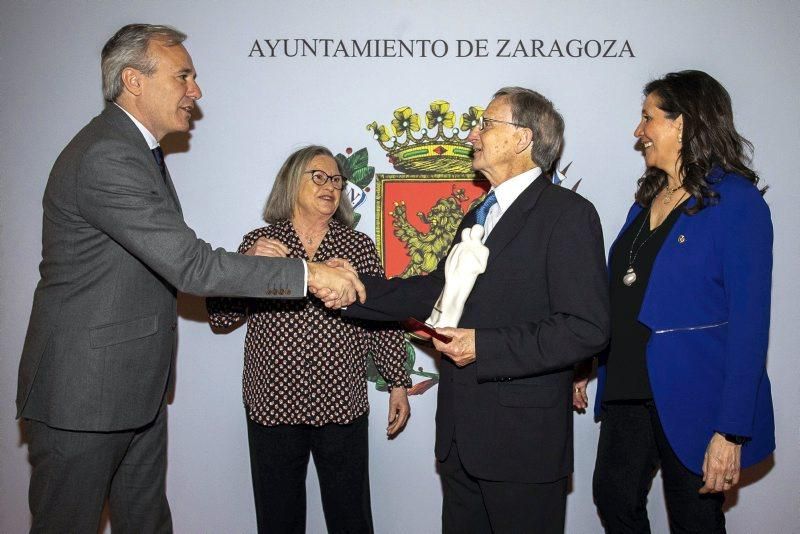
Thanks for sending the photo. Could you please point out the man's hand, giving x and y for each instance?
(461, 349)
(721, 465)
(268, 247)
(399, 410)
(335, 286)
(580, 398)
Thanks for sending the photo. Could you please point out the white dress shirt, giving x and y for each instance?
(506, 193)
(152, 142)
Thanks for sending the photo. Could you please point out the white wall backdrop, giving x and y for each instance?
(256, 110)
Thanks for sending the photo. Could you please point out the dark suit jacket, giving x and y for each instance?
(540, 307)
(115, 251)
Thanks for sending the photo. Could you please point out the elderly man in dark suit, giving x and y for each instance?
(97, 357)
(504, 416)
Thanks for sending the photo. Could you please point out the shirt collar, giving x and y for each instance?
(152, 142)
(508, 191)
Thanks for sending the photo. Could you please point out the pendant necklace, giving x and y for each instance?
(309, 237)
(669, 192)
(630, 275)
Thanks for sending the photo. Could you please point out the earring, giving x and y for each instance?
(680, 138)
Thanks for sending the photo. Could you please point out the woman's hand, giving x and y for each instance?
(268, 247)
(341, 262)
(721, 465)
(580, 399)
(399, 410)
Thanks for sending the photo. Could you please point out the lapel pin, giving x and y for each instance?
(681, 239)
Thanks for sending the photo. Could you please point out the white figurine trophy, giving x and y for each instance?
(465, 262)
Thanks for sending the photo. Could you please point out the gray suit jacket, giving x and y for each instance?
(115, 251)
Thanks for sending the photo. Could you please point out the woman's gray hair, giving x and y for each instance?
(282, 198)
(128, 48)
(534, 111)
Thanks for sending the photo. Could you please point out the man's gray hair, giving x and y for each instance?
(283, 197)
(534, 111)
(128, 48)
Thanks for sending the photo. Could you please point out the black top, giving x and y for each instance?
(626, 369)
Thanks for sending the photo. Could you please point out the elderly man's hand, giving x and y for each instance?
(335, 286)
(461, 349)
(580, 398)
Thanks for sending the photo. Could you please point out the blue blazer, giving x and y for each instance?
(707, 304)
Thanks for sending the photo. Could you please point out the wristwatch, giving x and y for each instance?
(733, 438)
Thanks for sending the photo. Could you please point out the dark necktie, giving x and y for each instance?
(483, 210)
(159, 155)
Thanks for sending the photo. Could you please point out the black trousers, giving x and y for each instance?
(279, 464)
(631, 448)
(476, 506)
(74, 472)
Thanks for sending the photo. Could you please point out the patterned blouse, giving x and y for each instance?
(304, 364)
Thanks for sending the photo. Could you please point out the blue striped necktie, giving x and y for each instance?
(483, 210)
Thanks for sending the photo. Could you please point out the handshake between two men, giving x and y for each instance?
(335, 282)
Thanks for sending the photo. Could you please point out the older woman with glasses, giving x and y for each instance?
(304, 377)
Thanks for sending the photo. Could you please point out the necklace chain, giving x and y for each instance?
(630, 275)
(631, 254)
(669, 192)
(310, 237)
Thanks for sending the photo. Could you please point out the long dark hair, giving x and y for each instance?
(709, 136)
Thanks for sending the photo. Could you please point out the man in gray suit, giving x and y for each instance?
(115, 251)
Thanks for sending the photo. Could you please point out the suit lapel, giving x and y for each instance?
(514, 217)
(467, 222)
(117, 118)
(173, 193)
(122, 123)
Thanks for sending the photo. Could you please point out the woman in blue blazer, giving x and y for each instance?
(683, 384)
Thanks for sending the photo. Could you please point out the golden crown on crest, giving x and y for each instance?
(439, 148)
